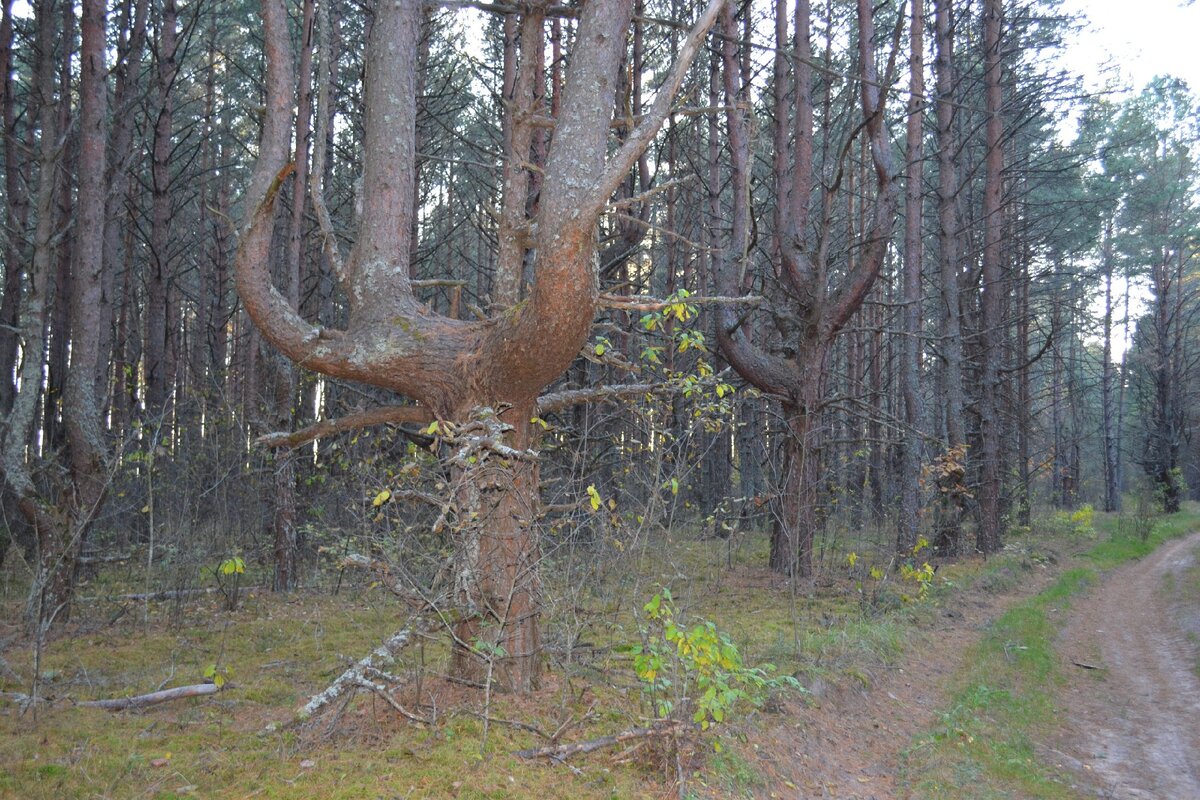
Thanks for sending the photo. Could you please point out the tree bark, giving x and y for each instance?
(158, 337)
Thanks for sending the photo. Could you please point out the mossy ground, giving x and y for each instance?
(278, 650)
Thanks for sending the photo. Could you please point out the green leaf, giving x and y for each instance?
(594, 497)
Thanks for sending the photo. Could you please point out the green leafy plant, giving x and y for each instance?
(694, 669)
(217, 675)
(228, 575)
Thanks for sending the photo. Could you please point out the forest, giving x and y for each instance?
(592, 398)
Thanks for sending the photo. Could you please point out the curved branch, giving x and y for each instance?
(305, 344)
(767, 372)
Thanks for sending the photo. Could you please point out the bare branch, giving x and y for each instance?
(564, 751)
(624, 159)
(644, 303)
(557, 401)
(385, 415)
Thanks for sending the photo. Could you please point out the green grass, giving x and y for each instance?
(1005, 700)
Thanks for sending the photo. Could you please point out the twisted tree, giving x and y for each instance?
(816, 297)
(481, 377)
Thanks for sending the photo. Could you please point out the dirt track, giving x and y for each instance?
(1134, 723)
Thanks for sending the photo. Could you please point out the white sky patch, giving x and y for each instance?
(1137, 40)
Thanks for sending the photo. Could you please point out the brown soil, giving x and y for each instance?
(846, 742)
(1134, 721)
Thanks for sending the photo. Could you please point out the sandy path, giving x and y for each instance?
(1134, 724)
(846, 743)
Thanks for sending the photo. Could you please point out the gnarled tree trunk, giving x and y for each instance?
(482, 376)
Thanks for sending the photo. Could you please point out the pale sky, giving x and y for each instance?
(1143, 39)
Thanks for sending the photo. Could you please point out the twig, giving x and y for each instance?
(381, 690)
(514, 723)
(637, 302)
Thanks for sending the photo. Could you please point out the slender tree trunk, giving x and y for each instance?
(81, 403)
(910, 350)
(128, 68)
(15, 205)
(50, 589)
(1112, 465)
(990, 534)
(952, 392)
(158, 337)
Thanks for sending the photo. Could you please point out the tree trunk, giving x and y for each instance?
(496, 561)
(158, 337)
(990, 535)
(15, 212)
(952, 392)
(910, 369)
(1112, 473)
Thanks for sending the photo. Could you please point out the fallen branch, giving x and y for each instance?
(153, 698)
(564, 751)
(1082, 665)
(22, 700)
(512, 723)
(384, 654)
(173, 594)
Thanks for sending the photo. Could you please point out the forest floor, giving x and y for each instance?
(952, 696)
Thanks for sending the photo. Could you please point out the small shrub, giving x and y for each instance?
(695, 669)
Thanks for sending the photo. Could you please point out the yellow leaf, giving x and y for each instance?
(382, 498)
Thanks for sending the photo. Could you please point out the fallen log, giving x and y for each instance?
(153, 698)
(561, 752)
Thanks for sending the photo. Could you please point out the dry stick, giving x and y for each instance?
(381, 690)
(153, 698)
(564, 751)
(173, 594)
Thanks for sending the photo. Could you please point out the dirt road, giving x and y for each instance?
(1134, 722)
